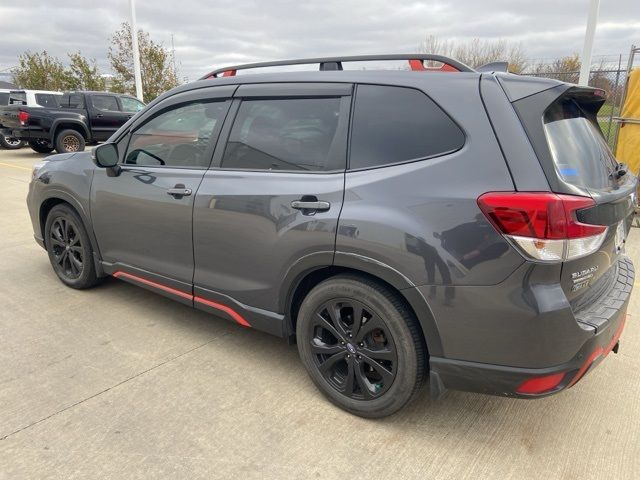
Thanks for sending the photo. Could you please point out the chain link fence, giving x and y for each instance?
(613, 81)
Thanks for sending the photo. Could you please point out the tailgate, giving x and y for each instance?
(9, 117)
(584, 163)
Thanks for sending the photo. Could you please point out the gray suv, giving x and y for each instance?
(437, 221)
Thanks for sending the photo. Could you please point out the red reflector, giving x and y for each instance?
(540, 384)
(23, 117)
(538, 215)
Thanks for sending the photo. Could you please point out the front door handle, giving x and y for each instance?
(310, 205)
(179, 191)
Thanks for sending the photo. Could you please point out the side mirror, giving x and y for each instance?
(106, 156)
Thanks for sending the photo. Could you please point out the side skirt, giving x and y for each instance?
(209, 301)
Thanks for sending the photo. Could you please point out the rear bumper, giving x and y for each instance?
(508, 381)
(28, 133)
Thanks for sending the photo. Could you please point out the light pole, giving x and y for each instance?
(136, 51)
(592, 20)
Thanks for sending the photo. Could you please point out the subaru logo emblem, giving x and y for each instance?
(351, 348)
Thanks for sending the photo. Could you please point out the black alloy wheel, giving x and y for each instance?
(353, 349)
(67, 248)
(361, 345)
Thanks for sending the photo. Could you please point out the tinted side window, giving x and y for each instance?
(105, 103)
(178, 137)
(286, 134)
(4, 98)
(396, 124)
(47, 100)
(76, 101)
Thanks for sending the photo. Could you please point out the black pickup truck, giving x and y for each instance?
(80, 118)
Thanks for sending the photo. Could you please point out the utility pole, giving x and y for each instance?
(592, 20)
(136, 51)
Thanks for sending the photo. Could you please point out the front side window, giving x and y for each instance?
(397, 124)
(178, 137)
(300, 134)
(579, 151)
(106, 103)
(131, 105)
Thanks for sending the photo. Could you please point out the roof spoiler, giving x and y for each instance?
(416, 62)
(494, 67)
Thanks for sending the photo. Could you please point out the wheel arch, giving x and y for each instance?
(58, 198)
(65, 124)
(417, 304)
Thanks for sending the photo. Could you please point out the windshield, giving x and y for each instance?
(580, 152)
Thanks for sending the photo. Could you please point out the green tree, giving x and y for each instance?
(40, 71)
(156, 64)
(83, 74)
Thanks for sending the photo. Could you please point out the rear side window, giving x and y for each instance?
(397, 124)
(579, 151)
(47, 100)
(76, 101)
(4, 98)
(106, 103)
(287, 134)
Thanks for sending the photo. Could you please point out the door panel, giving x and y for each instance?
(274, 198)
(105, 116)
(247, 236)
(138, 223)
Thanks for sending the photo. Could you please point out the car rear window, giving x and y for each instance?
(17, 98)
(397, 124)
(579, 151)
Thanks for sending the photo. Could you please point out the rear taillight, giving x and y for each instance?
(23, 117)
(543, 225)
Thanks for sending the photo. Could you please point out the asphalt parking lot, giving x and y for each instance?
(117, 382)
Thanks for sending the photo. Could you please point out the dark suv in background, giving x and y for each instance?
(464, 225)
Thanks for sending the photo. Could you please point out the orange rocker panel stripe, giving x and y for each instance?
(218, 306)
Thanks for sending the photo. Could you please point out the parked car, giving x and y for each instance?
(464, 225)
(69, 123)
(30, 98)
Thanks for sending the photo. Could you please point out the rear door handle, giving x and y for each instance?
(179, 191)
(317, 205)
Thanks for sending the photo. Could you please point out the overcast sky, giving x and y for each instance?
(215, 33)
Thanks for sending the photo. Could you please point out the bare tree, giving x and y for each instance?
(477, 51)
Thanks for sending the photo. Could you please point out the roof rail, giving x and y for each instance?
(416, 62)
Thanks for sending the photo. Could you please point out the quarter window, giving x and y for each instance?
(287, 134)
(397, 124)
(178, 137)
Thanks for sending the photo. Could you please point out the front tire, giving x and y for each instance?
(11, 143)
(69, 141)
(361, 345)
(69, 248)
(40, 146)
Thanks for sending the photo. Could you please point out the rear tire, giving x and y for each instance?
(11, 143)
(69, 248)
(69, 141)
(371, 367)
(40, 146)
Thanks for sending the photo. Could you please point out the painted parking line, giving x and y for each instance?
(15, 166)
